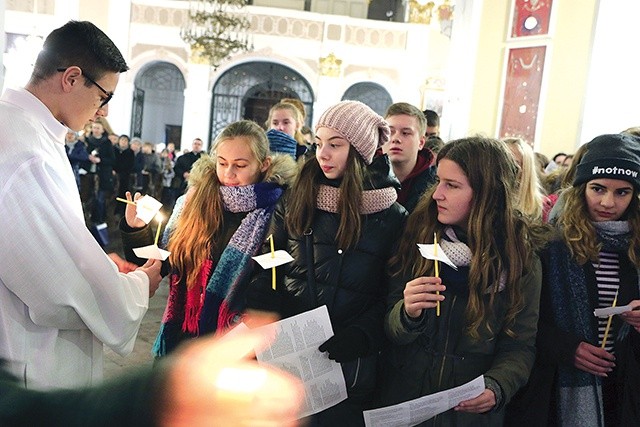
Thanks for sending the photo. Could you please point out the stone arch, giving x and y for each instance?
(158, 103)
(372, 94)
(248, 90)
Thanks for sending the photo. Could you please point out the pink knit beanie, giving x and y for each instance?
(358, 124)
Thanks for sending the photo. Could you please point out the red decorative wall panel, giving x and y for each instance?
(522, 92)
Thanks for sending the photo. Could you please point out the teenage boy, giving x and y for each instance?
(411, 162)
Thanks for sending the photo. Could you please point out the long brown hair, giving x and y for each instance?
(499, 236)
(199, 227)
(302, 203)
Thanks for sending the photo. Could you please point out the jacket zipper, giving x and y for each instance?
(446, 347)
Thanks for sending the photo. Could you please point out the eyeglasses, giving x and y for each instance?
(108, 95)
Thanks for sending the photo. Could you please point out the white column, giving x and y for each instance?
(611, 98)
(118, 30)
(2, 44)
(456, 110)
(197, 101)
(120, 106)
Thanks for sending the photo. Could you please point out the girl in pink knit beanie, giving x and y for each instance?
(339, 222)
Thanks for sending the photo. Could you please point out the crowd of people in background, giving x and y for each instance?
(106, 166)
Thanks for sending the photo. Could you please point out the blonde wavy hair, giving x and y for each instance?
(529, 193)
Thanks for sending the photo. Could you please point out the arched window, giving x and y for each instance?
(247, 91)
(372, 94)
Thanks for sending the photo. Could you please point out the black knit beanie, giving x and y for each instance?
(615, 156)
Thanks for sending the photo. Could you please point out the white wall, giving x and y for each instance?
(612, 100)
(1, 46)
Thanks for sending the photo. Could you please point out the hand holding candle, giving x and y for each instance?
(146, 208)
(131, 210)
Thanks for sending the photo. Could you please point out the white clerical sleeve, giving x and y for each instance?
(54, 265)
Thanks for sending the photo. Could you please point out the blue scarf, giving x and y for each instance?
(219, 307)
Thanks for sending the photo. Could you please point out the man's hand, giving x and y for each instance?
(152, 270)
(124, 266)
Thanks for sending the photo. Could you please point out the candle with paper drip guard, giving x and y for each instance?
(273, 259)
(434, 252)
(153, 251)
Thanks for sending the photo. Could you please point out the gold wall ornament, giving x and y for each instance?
(216, 29)
(420, 12)
(330, 65)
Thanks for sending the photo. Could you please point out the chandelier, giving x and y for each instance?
(216, 29)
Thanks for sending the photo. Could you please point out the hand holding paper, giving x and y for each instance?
(632, 317)
(610, 311)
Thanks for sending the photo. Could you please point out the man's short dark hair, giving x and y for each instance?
(434, 143)
(432, 118)
(82, 44)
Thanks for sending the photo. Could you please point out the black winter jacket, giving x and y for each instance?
(352, 283)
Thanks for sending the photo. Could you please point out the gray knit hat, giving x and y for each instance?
(358, 124)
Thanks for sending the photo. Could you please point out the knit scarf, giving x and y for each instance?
(211, 302)
(460, 254)
(580, 393)
(372, 200)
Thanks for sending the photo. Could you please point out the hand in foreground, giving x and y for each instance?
(211, 382)
(152, 269)
(131, 211)
(420, 293)
(478, 405)
(593, 360)
(633, 317)
(124, 266)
